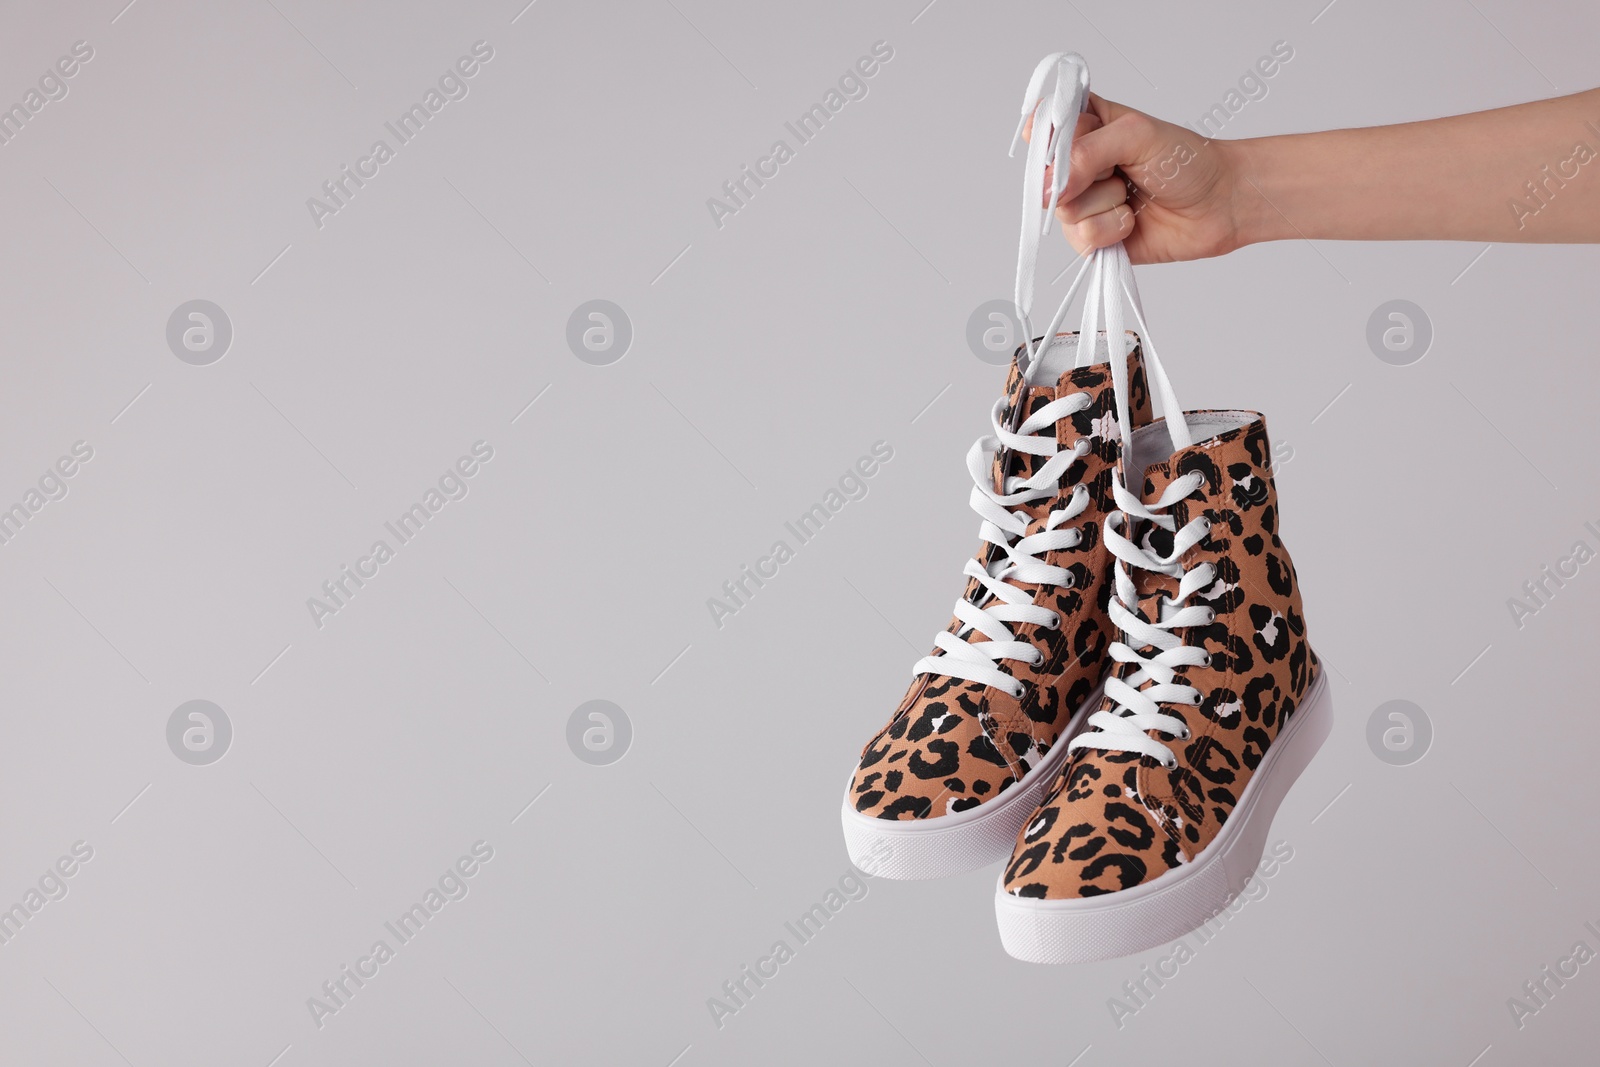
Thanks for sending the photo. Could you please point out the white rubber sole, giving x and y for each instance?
(1182, 899)
(910, 849)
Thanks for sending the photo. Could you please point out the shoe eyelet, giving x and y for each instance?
(1211, 615)
(1187, 733)
(1038, 659)
(1081, 446)
(1054, 623)
(1170, 762)
(1019, 691)
(1207, 661)
(1198, 699)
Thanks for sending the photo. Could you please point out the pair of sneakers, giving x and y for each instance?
(1125, 692)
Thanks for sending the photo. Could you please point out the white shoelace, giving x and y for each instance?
(1055, 124)
(1015, 556)
(1110, 273)
(1137, 710)
(1017, 553)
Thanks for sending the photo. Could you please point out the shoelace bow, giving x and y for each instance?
(1154, 680)
(1015, 557)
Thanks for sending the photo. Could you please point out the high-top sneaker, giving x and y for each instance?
(1216, 705)
(944, 786)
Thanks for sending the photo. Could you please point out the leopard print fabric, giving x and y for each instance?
(952, 744)
(1114, 820)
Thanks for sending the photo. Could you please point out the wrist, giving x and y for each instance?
(1249, 165)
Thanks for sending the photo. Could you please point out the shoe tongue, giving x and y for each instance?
(1097, 421)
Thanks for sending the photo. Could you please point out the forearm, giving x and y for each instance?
(1524, 173)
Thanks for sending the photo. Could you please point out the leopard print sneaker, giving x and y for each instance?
(945, 785)
(1216, 705)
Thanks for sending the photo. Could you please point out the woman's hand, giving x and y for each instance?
(1183, 187)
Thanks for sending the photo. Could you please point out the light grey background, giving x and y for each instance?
(768, 354)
